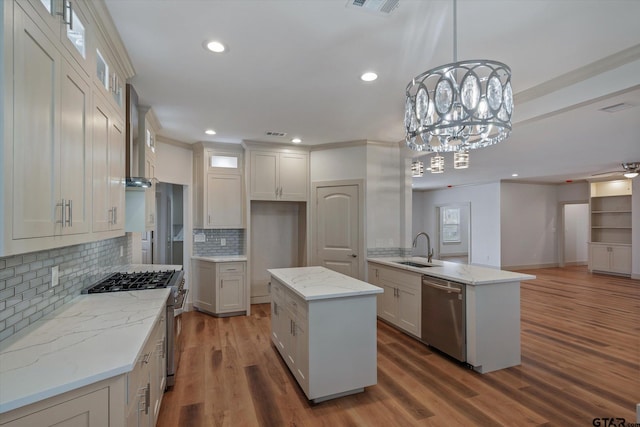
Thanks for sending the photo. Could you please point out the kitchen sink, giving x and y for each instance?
(412, 264)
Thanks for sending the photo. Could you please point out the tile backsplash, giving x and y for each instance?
(385, 252)
(212, 246)
(26, 294)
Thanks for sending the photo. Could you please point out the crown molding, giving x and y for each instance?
(174, 142)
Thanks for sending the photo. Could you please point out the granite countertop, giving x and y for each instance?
(221, 258)
(463, 273)
(91, 338)
(314, 283)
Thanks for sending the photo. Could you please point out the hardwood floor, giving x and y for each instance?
(580, 360)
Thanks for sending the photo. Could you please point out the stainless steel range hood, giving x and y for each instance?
(135, 152)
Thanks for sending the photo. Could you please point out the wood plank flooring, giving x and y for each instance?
(580, 360)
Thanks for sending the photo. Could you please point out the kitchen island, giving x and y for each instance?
(491, 305)
(323, 324)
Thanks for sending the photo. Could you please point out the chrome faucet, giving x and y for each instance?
(429, 248)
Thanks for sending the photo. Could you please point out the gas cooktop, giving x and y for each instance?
(117, 282)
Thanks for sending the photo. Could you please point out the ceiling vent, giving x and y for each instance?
(272, 133)
(617, 107)
(384, 7)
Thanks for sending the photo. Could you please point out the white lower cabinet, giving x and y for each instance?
(220, 287)
(401, 302)
(610, 258)
(328, 344)
(146, 382)
(128, 400)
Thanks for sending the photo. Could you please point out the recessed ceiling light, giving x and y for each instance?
(514, 175)
(296, 140)
(210, 132)
(368, 76)
(215, 46)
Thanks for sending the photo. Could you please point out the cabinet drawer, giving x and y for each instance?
(231, 267)
(297, 306)
(277, 292)
(397, 276)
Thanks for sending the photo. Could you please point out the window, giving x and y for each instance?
(450, 225)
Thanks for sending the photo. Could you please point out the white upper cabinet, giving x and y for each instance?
(68, 22)
(219, 187)
(279, 175)
(51, 145)
(62, 146)
(108, 168)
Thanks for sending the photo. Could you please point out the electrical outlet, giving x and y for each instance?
(54, 276)
(121, 250)
(223, 242)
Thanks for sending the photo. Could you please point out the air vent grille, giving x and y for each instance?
(617, 107)
(380, 6)
(272, 133)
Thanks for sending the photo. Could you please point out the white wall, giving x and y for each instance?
(528, 217)
(573, 192)
(576, 234)
(485, 218)
(339, 163)
(385, 187)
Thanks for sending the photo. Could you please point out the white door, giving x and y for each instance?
(337, 228)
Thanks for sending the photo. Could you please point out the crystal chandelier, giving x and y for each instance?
(460, 106)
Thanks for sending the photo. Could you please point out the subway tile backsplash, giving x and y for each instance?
(385, 252)
(234, 242)
(26, 294)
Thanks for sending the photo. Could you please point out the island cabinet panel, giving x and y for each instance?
(493, 326)
(329, 344)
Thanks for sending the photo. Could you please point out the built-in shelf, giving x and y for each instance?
(611, 213)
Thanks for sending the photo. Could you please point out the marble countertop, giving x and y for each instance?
(221, 258)
(314, 283)
(91, 338)
(463, 273)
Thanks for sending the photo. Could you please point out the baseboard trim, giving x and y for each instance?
(261, 300)
(575, 263)
(529, 267)
(635, 276)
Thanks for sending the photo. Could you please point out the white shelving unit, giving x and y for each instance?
(610, 225)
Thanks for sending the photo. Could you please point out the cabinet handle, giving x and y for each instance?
(269, 286)
(64, 13)
(70, 218)
(70, 15)
(147, 398)
(293, 328)
(63, 213)
(221, 283)
(115, 214)
(275, 308)
(209, 218)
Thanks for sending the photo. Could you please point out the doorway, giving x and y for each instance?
(168, 242)
(575, 234)
(338, 227)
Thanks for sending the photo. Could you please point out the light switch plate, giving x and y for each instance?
(54, 276)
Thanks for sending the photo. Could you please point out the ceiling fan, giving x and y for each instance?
(630, 170)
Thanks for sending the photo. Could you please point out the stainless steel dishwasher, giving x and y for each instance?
(443, 316)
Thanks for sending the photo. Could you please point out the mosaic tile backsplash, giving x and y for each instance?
(26, 294)
(234, 242)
